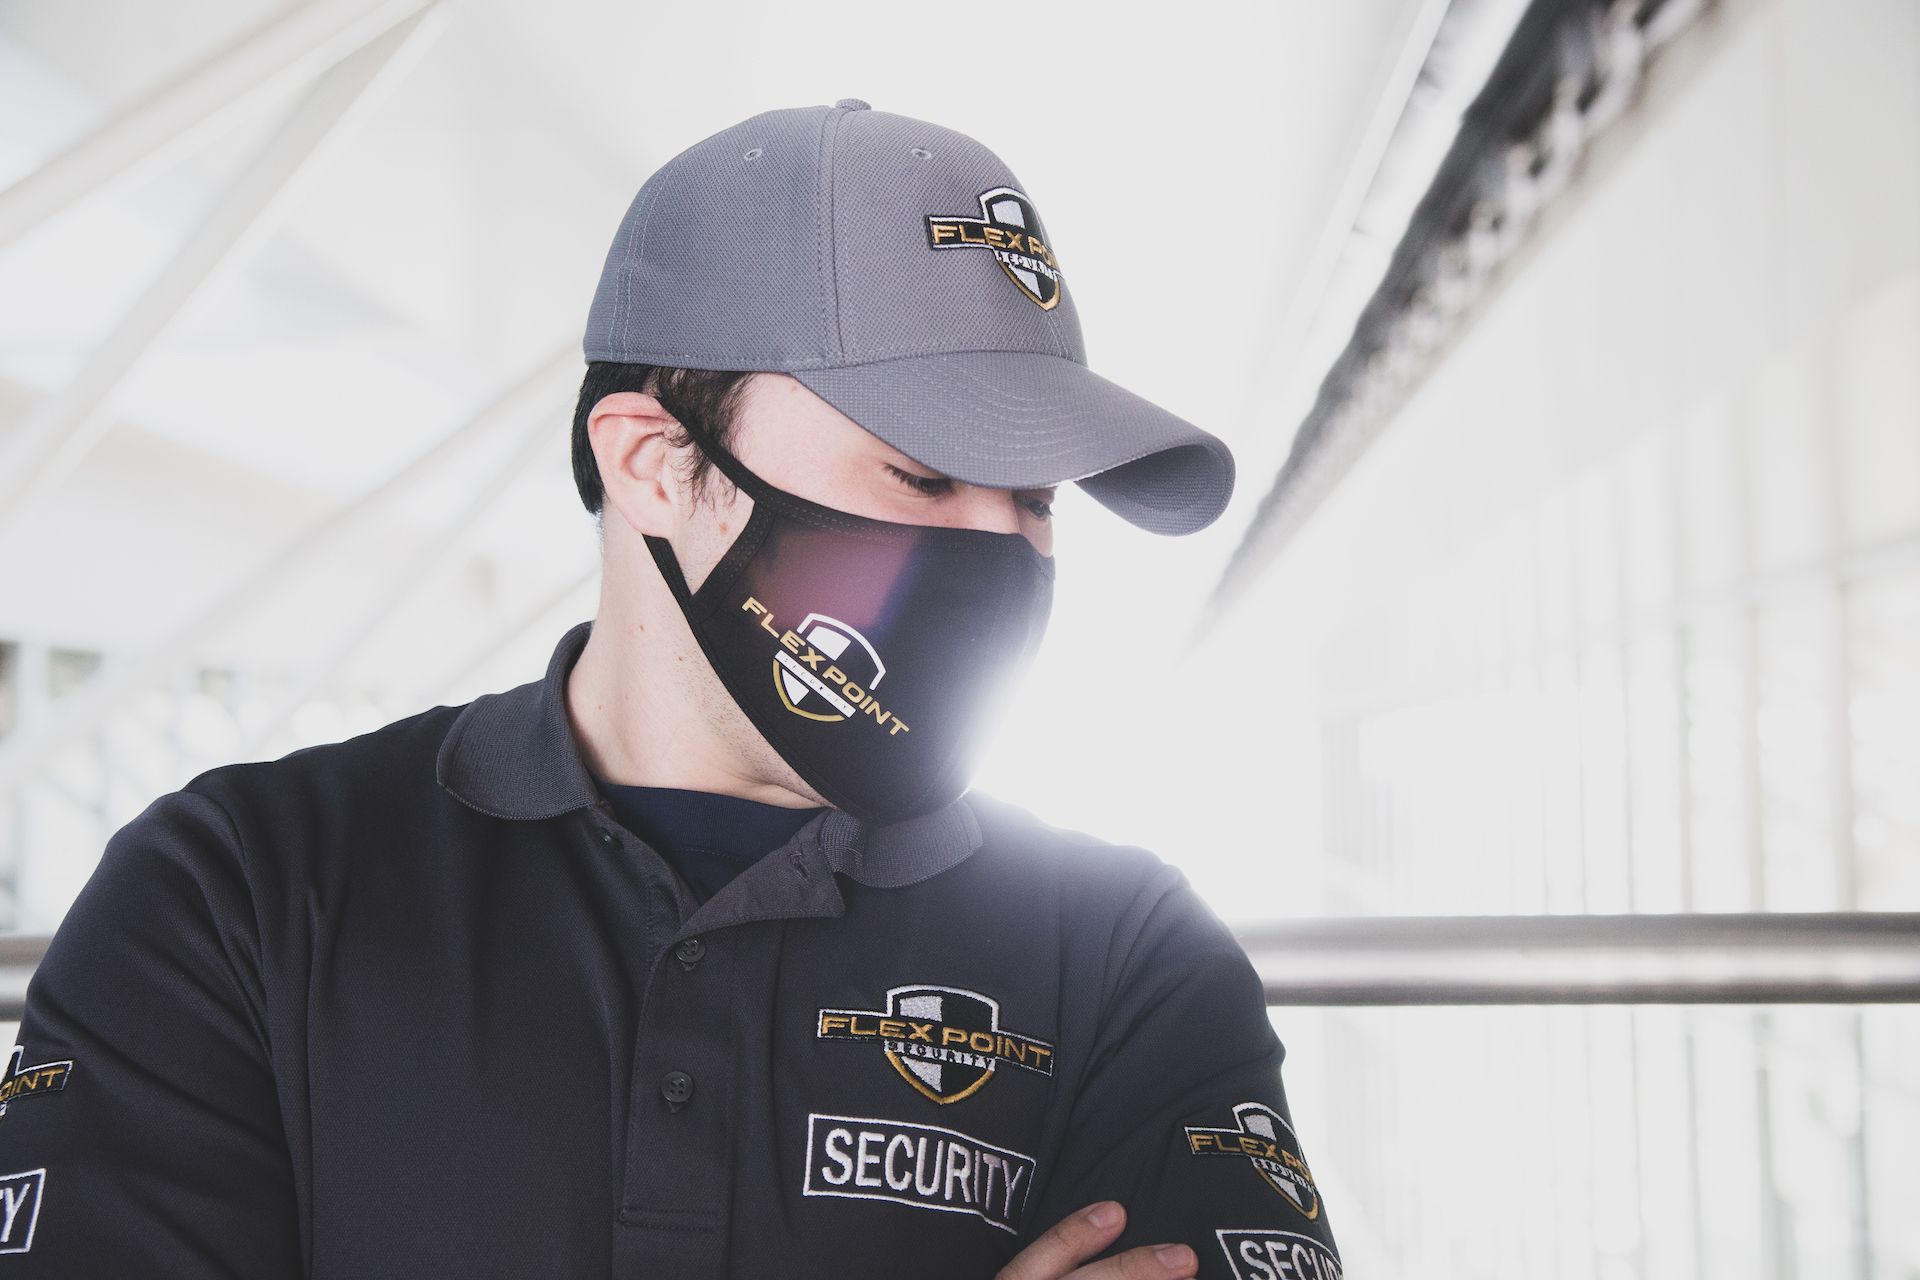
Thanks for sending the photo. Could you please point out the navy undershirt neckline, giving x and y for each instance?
(707, 837)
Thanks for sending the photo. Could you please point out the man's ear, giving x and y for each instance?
(627, 430)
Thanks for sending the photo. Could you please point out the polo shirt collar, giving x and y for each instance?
(513, 755)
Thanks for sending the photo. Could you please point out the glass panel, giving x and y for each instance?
(1662, 1142)
(1884, 716)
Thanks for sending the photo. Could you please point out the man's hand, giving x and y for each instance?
(1057, 1254)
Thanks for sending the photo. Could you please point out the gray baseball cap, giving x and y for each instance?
(900, 270)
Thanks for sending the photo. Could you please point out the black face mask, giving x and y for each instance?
(867, 652)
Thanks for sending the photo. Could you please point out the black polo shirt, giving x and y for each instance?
(706, 837)
(414, 1004)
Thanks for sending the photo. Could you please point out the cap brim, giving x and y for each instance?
(1023, 419)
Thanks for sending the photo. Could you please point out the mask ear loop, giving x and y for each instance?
(695, 604)
(773, 500)
(669, 564)
(731, 467)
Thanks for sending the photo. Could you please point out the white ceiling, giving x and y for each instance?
(447, 244)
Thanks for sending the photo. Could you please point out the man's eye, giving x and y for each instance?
(1041, 507)
(922, 484)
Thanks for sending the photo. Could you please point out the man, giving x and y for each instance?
(696, 958)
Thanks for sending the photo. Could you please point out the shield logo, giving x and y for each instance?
(20, 1081)
(1009, 227)
(956, 1073)
(1263, 1138)
(944, 1041)
(807, 694)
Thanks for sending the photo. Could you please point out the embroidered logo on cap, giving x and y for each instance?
(1010, 228)
(945, 1041)
(23, 1082)
(1266, 1141)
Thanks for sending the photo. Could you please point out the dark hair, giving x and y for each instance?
(703, 400)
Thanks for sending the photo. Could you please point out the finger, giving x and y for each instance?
(1148, 1262)
(1063, 1246)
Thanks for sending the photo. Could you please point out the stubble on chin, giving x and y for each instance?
(746, 746)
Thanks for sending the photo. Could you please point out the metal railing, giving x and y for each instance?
(1757, 958)
(1716, 958)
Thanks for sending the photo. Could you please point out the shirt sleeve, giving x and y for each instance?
(141, 1133)
(1181, 1115)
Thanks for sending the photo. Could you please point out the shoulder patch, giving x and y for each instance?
(24, 1082)
(1264, 1139)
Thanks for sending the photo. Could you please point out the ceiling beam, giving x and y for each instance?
(155, 130)
(61, 430)
(318, 681)
(87, 708)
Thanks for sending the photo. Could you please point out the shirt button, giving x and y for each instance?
(606, 835)
(690, 950)
(676, 1087)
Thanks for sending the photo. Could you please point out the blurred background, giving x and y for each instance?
(1571, 354)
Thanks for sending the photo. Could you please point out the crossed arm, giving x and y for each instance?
(1183, 1124)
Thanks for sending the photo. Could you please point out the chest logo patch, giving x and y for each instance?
(1266, 1141)
(944, 1041)
(922, 1165)
(23, 1082)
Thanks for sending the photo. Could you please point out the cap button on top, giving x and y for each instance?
(854, 104)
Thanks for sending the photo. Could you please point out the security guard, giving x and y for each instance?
(696, 958)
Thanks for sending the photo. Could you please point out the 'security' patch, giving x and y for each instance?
(20, 1208)
(1010, 228)
(922, 1165)
(945, 1041)
(1262, 1138)
(1256, 1253)
(24, 1082)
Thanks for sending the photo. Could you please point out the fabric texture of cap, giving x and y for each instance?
(900, 271)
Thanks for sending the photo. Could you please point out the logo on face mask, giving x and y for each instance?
(1011, 229)
(825, 670)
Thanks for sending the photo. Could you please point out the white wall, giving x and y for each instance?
(1623, 613)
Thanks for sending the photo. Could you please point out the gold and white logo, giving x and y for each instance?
(945, 1041)
(1263, 1138)
(19, 1081)
(1009, 228)
(825, 670)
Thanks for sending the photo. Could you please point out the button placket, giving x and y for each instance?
(677, 1088)
(608, 831)
(679, 1115)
